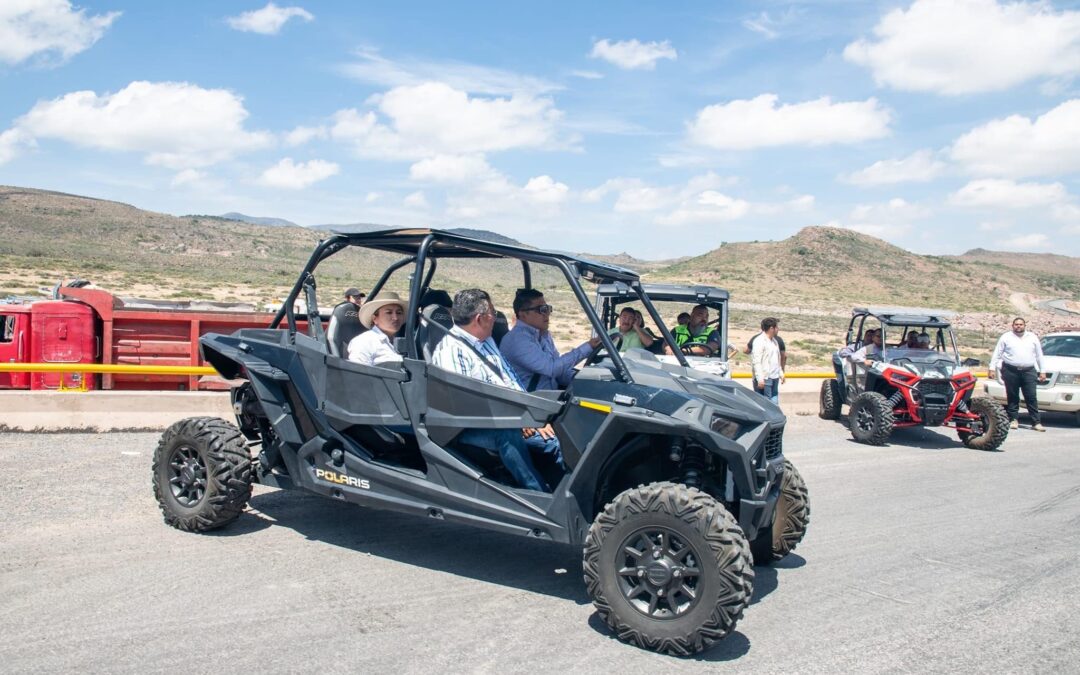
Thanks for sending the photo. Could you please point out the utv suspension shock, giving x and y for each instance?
(896, 399)
(692, 462)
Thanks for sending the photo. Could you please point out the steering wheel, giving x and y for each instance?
(692, 349)
(598, 355)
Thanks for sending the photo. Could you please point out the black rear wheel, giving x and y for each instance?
(830, 400)
(870, 418)
(668, 568)
(201, 474)
(992, 428)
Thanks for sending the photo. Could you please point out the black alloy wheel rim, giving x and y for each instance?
(658, 573)
(864, 417)
(187, 476)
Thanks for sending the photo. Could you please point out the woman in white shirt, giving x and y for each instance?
(383, 316)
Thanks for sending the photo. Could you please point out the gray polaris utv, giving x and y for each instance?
(675, 477)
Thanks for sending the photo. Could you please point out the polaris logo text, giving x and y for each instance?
(342, 479)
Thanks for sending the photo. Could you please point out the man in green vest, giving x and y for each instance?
(696, 337)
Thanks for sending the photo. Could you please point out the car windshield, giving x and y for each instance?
(919, 344)
(1062, 345)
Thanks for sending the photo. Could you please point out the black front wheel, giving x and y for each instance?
(871, 418)
(201, 474)
(789, 522)
(668, 568)
(992, 428)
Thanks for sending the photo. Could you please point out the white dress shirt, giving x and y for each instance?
(372, 347)
(766, 358)
(1022, 351)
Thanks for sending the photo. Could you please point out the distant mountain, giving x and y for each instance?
(256, 220)
(352, 228)
(833, 268)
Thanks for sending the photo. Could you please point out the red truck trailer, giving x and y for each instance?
(89, 325)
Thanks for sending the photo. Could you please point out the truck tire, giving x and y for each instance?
(668, 568)
(830, 400)
(995, 422)
(871, 419)
(202, 474)
(789, 522)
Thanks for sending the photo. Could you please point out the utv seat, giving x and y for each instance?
(502, 327)
(435, 324)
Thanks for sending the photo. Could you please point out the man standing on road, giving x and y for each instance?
(779, 340)
(530, 349)
(345, 323)
(765, 359)
(1017, 358)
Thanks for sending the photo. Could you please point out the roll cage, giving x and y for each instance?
(902, 320)
(423, 248)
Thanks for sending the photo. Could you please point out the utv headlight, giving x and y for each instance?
(725, 427)
(1068, 378)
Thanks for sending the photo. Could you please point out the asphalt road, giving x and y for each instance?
(921, 556)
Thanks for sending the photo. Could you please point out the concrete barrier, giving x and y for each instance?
(156, 410)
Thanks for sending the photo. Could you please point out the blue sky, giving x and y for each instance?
(659, 129)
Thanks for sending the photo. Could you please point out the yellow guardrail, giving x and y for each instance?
(105, 368)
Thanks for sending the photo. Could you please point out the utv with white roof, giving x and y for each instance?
(675, 478)
(907, 386)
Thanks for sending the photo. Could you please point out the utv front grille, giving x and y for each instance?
(936, 391)
(774, 444)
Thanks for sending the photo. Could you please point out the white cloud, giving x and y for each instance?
(372, 67)
(416, 200)
(893, 211)
(1066, 213)
(762, 24)
(187, 177)
(708, 207)
(1017, 146)
(587, 74)
(289, 175)
(372, 197)
(269, 20)
(1025, 242)
(994, 226)
(967, 46)
(633, 55)
(493, 194)
(51, 30)
(451, 169)
(1008, 194)
(918, 167)
(760, 122)
(545, 190)
(12, 143)
(302, 135)
(176, 124)
(435, 119)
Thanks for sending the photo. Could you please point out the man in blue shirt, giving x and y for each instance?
(469, 350)
(530, 349)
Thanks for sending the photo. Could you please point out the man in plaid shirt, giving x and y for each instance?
(469, 350)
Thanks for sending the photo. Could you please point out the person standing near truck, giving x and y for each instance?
(1017, 358)
(345, 323)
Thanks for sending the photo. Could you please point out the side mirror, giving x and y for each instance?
(971, 363)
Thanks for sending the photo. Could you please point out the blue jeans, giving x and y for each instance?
(544, 446)
(512, 450)
(772, 390)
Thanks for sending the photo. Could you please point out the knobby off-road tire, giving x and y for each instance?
(870, 418)
(830, 400)
(995, 423)
(789, 522)
(668, 568)
(202, 474)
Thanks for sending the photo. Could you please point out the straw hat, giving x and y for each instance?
(367, 311)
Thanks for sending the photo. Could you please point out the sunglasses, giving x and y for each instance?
(542, 309)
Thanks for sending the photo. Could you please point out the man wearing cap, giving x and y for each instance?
(345, 322)
(383, 317)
